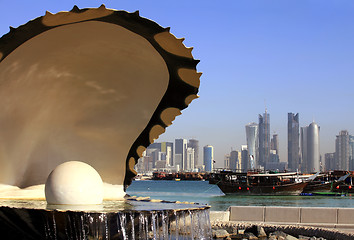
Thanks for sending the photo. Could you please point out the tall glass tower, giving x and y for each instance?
(264, 138)
(293, 142)
(208, 158)
(310, 148)
(252, 144)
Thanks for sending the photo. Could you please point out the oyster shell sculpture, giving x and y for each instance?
(90, 85)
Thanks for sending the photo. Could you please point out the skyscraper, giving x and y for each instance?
(193, 143)
(208, 157)
(342, 150)
(274, 143)
(293, 142)
(351, 153)
(310, 148)
(330, 163)
(181, 153)
(234, 160)
(190, 159)
(245, 158)
(252, 144)
(167, 148)
(264, 138)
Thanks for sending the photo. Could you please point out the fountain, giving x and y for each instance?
(83, 94)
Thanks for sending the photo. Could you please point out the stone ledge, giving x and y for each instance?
(219, 216)
(301, 216)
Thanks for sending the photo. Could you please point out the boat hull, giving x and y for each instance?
(284, 189)
(318, 187)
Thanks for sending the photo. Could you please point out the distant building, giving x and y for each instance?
(167, 148)
(227, 161)
(330, 162)
(293, 142)
(193, 143)
(273, 156)
(160, 164)
(252, 144)
(144, 164)
(264, 138)
(274, 143)
(153, 152)
(351, 153)
(274, 149)
(235, 163)
(190, 159)
(310, 148)
(155, 145)
(178, 162)
(277, 166)
(181, 151)
(244, 158)
(208, 158)
(342, 150)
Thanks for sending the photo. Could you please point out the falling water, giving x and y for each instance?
(131, 225)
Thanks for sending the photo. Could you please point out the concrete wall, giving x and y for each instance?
(341, 218)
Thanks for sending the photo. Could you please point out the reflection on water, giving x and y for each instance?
(205, 193)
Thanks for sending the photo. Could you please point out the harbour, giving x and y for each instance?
(205, 193)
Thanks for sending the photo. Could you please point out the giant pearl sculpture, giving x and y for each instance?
(90, 85)
(74, 183)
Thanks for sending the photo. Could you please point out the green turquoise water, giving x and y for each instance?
(205, 193)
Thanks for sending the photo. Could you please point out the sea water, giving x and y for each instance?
(205, 193)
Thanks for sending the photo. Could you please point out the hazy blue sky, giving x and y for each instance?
(298, 56)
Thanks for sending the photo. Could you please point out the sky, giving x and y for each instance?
(289, 56)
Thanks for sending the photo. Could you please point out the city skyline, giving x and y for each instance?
(303, 148)
(295, 56)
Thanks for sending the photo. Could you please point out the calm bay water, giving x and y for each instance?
(205, 193)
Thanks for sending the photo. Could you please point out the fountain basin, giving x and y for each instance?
(133, 218)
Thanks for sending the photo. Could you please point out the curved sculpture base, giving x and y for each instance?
(129, 219)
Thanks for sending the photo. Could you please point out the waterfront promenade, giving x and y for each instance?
(325, 217)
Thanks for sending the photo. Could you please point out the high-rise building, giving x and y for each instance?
(274, 143)
(330, 162)
(273, 156)
(193, 143)
(153, 151)
(190, 159)
(235, 160)
(342, 150)
(293, 142)
(227, 161)
(274, 149)
(303, 148)
(167, 148)
(178, 162)
(351, 153)
(252, 144)
(208, 158)
(245, 164)
(181, 152)
(310, 148)
(264, 138)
